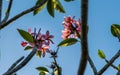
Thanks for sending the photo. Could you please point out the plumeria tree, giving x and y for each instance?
(74, 31)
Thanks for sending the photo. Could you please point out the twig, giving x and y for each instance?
(7, 12)
(92, 65)
(59, 69)
(84, 42)
(23, 63)
(113, 66)
(22, 14)
(118, 73)
(14, 64)
(108, 64)
(0, 11)
(55, 64)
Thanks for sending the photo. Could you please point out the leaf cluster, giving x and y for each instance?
(51, 5)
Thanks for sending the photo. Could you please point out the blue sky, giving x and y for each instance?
(102, 14)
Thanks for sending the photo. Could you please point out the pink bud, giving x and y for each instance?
(24, 43)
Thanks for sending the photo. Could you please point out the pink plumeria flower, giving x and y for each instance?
(47, 37)
(41, 40)
(71, 27)
(44, 49)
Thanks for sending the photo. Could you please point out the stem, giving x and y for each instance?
(108, 64)
(14, 64)
(113, 66)
(92, 65)
(22, 14)
(54, 56)
(59, 69)
(23, 63)
(84, 42)
(0, 11)
(7, 12)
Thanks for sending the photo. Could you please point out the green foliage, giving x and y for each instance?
(40, 8)
(42, 70)
(115, 30)
(26, 35)
(119, 67)
(101, 54)
(68, 42)
(68, 0)
(38, 53)
(54, 4)
(58, 6)
(42, 73)
(50, 7)
(28, 48)
(56, 72)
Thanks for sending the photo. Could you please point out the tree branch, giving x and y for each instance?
(59, 69)
(54, 56)
(14, 64)
(7, 12)
(22, 14)
(113, 66)
(0, 11)
(23, 63)
(108, 64)
(92, 65)
(118, 73)
(84, 42)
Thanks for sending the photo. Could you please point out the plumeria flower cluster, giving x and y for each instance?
(41, 40)
(72, 28)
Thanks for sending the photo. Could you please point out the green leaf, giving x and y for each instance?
(58, 6)
(68, 0)
(40, 8)
(38, 53)
(26, 35)
(50, 7)
(42, 69)
(115, 30)
(28, 48)
(101, 54)
(119, 67)
(42, 73)
(56, 71)
(68, 42)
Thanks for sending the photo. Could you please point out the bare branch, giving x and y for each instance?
(84, 42)
(108, 64)
(118, 73)
(0, 11)
(59, 69)
(14, 64)
(7, 12)
(22, 14)
(92, 65)
(54, 56)
(111, 64)
(23, 63)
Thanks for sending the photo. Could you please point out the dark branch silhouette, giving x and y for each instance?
(113, 66)
(7, 12)
(92, 65)
(0, 11)
(84, 42)
(23, 63)
(54, 56)
(109, 64)
(14, 64)
(22, 14)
